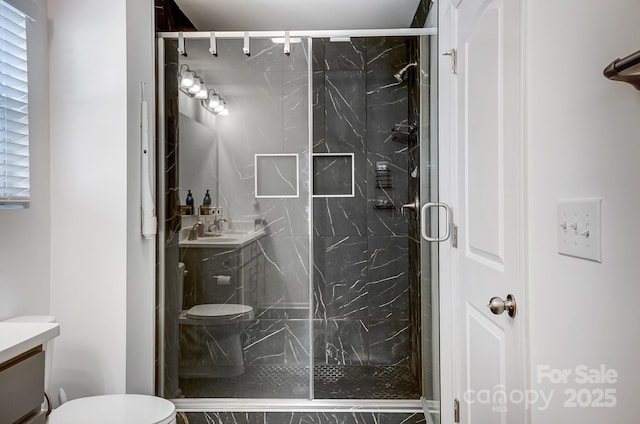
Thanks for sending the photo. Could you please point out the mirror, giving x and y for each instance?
(198, 159)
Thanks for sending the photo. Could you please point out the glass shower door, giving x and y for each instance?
(237, 270)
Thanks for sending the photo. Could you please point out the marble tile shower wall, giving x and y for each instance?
(361, 283)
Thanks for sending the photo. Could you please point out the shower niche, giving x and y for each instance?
(309, 165)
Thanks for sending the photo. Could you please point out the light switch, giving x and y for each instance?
(579, 228)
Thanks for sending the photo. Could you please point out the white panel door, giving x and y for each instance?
(489, 179)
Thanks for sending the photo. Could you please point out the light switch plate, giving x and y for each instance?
(579, 228)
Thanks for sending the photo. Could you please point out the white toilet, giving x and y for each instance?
(210, 341)
(121, 409)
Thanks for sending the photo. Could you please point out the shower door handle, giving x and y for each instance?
(423, 222)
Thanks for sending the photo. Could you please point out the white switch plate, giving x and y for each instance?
(579, 228)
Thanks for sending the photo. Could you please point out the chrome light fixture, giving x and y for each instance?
(193, 86)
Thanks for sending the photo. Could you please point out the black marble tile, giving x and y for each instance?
(320, 418)
(333, 175)
(389, 418)
(387, 53)
(320, 207)
(317, 59)
(295, 105)
(345, 55)
(345, 293)
(347, 342)
(388, 278)
(221, 418)
(263, 342)
(318, 104)
(389, 342)
(345, 111)
(387, 106)
(297, 346)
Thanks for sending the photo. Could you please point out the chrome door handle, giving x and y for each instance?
(498, 305)
(423, 221)
(413, 206)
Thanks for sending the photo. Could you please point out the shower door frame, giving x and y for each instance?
(268, 404)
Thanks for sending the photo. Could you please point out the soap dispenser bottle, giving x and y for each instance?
(189, 201)
(207, 199)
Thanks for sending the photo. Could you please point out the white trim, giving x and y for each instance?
(161, 215)
(353, 174)
(446, 264)
(303, 405)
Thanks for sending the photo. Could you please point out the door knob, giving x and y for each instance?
(498, 305)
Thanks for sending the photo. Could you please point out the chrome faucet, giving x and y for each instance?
(216, 226)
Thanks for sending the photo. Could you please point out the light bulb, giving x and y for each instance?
(186, 79)
(214, 101)
(203, 93)
(220, 107)
(197, 83)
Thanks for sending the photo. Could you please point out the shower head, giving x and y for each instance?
(401, 74)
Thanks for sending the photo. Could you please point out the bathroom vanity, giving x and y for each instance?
(224, 269)
(22, 371)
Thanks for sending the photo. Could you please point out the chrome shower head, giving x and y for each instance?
(401, 74)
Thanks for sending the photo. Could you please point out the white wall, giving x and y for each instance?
(583, 141)
(140, 314)
(101, 269)
(24, 233)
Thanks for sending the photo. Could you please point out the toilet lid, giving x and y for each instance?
(218, 310)
(122, 409)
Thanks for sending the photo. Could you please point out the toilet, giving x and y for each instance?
(120, 408)
(210, 344)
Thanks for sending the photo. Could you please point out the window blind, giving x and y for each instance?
(14, 113)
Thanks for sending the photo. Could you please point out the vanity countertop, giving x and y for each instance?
(19, 337)
(230, 240)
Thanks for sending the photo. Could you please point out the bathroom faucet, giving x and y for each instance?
(193, 233)
(216, 226)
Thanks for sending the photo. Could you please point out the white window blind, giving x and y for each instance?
(14, 117)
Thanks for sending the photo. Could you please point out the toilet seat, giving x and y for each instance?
(122, 409)
(219, 310)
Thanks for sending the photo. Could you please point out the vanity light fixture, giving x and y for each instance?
(193, 86)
